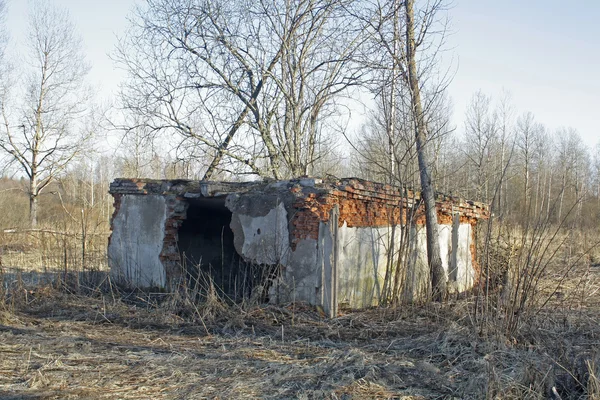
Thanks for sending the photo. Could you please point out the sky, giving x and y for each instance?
(99, 22)
(546, 54)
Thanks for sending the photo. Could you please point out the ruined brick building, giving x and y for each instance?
(323, 242)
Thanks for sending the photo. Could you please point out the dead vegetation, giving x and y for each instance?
(57, 343)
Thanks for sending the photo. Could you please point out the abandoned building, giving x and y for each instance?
(327, 243)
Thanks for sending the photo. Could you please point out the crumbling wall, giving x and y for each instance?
(176, 212)
(137, 240)
(142, 249)
(260, 225)
(363, 258)
(320, 242)
(367, 212)
(362, 263)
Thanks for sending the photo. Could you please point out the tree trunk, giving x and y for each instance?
(549, 194)
(562, 196)
(438, 275)
(391, 126)
(33, 202)
(526, 187)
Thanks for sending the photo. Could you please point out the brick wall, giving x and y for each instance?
(369, 204)
(170, 257)
(176, 207)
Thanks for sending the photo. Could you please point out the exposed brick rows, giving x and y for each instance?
(367, 204)
(175, 215)
(349, 188)
(117, 198)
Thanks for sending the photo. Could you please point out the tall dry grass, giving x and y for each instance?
(540, 293)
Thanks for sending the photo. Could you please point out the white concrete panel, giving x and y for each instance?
(417, 281)
(465, 273)
(302, 275)
(445, 232)
(266, 238)
(137, 241)
(362, 263)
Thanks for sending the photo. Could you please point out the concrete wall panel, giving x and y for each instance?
(417, 281)
(263, 239)
(137, 241)
(465, 273)
(362, 262)
(302, 279)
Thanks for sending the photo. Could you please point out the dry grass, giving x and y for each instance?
(59, 345)
(79, 347)
(52, 250)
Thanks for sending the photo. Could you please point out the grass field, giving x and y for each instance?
(55, 344)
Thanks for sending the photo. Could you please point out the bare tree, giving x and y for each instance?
(504, 113)
(396, 161)
(438, 275)
(403, 52)
(40, 136)
(528, 133)
(5, 66)
(596, 174)
(574, 167)
(250, 83)
(136, 153)
(480, 138)
(3, 32)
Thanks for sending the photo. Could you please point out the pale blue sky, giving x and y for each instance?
(545, 53)
(99, 22)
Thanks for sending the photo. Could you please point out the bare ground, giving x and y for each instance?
(59, 345)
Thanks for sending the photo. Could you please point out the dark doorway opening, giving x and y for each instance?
(207, 250)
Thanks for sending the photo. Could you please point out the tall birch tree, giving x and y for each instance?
(40, 136)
